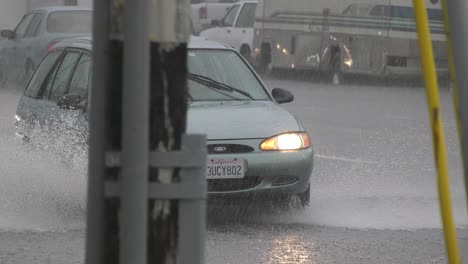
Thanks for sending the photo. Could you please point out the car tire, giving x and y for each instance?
(286, 202)
(305, 197)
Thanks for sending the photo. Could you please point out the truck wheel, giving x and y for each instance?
(337, 78)
(264, 58)
(245, 52)
(335, 75)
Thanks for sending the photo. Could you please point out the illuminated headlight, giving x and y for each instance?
(288, 141)
(17, 120)
(348, 62)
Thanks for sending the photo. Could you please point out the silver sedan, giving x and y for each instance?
(256, 148)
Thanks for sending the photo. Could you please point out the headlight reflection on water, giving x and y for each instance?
(291, 249)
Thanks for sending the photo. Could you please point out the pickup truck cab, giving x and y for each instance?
(236, 28)
(205, 11)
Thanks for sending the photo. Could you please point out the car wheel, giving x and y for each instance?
(287, 202)
(305, 197)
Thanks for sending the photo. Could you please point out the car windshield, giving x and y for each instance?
(221, 75)
(69, 22)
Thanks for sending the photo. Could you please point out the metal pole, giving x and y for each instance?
(458, 21)
(192, 212)
(135, 132)
(169, 33)
(96, 218)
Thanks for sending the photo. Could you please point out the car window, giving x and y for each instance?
(230, 16)
(379, 11)
(247, 16)
(62, 76)
(350, 10)
(69, 22)
(23, 26)
(226, 67)
(80, 81)
(434, 14)
(41, 73)
(33, 26)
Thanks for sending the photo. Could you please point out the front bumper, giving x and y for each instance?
(286, 172)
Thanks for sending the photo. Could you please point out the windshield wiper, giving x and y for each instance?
(216, 85)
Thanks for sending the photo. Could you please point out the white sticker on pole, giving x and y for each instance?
(169, 21)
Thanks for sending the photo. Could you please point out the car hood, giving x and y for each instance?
(239, 120)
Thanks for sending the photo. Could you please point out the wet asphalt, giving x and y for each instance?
(373, 196)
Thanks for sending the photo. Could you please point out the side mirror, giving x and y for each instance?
(215, 23)
(7, 34)
(282, 96)
(70, 102)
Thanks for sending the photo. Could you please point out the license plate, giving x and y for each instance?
(232, 168)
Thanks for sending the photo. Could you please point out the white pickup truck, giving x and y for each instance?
(204, 12)
(236, 28)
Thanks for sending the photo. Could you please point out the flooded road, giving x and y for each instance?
(373, 199)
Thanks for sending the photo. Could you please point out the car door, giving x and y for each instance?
(227, 25)
(243, 33)
(31, 110)
(27, 47)
(74, 117)
(55, 88)
(9, 47)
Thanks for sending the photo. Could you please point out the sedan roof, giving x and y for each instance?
(62, 8)
(86, 43)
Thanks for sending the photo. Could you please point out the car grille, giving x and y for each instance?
(229, 185)
(228, 149)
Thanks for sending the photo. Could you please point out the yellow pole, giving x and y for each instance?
(432, 91)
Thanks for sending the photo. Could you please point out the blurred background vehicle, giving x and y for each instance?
(235, 29)
(377, 39)
(22, 49)
(205, 11)
(12, 10)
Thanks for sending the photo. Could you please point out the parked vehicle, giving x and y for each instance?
(255, 146)
(373, 39)
(236, 28)
(205, 11)
(22, 49)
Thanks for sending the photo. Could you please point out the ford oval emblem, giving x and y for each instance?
(220, 149)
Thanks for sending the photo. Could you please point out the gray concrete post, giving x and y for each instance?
(95, 218)
(135, 135)
(458, 21)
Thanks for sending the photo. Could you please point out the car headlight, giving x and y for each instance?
(287, 141)
(17, 120)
